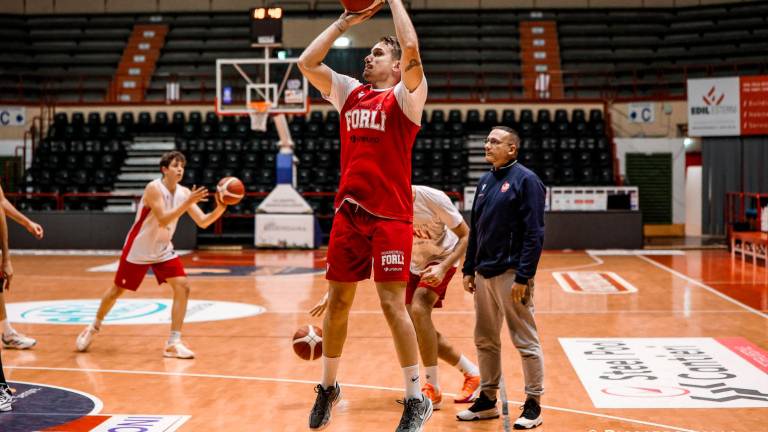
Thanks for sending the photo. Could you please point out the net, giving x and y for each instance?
(259, 113)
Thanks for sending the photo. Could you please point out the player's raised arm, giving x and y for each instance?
(411, 70)
(203, 220)
(154, 200)
(311, 60)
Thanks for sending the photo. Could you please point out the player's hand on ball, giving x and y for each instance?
(219, 201)
(469, 284)
(349, 19)
(319, 308)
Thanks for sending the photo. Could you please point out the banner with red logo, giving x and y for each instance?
(731, 106)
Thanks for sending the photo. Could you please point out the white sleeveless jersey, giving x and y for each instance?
(434, 215)
(147, 241)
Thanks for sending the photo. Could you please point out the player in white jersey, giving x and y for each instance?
(440, 238)
(148, 245)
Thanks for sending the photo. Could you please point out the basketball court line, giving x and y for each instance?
(360, 386)
(550, 312)
(702, 285)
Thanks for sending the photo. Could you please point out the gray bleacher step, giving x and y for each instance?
(140, 169)
(119, 208)
(124, 185)
(142, 160)
(152, 146)
(140, 176)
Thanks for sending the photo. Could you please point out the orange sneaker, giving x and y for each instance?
(435, 395)
(469, 390)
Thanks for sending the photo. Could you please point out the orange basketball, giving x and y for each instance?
(359, 5)
(230, 190)
(308, 342)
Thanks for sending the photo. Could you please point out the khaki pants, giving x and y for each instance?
(493, 303)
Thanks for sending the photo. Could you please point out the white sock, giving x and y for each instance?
(174, 337)
(330, 368)
(7, 329)
(412, 382)
(466, 366)
(431, 372)
(96, 323)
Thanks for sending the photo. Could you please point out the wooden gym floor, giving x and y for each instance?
(247, 378)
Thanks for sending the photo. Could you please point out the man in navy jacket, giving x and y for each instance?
(505, 242)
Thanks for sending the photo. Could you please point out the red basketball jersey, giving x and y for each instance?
(376, 142)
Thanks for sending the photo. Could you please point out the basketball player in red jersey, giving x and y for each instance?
(374, 209)
(148, 245)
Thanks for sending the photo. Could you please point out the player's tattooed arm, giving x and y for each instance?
(413, 64)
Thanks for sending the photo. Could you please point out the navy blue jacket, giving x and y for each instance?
(507, 224)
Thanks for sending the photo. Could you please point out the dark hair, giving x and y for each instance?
(167, 159)
(394, 44)
(509, 130)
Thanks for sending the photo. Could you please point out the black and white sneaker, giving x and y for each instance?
(325, 401)
(6, 399)
(483, 409)
(415, 414)
(531, 416)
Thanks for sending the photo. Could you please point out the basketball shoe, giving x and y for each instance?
(435, 395)
(178, 350)
(483, 409)
(415, 414)
(18, 341)
(469, 390)
(324, 403)
(6, 399)
(85, 338)
(531, 416)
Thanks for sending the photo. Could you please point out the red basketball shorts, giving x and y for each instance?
(414, 281)
(129, 275)
(359, 238)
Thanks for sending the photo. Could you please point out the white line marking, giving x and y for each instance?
(361, 386)
(545, 312)
(597, 262)
(702, 285)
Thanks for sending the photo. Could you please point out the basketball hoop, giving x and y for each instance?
(259, 112)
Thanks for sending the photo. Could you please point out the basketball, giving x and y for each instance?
(359, 5)
(308, 342)
(230, 190)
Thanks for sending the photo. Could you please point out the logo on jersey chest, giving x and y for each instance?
(361, 118)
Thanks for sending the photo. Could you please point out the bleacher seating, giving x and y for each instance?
(467, 54)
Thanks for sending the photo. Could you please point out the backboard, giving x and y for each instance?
(243, 86)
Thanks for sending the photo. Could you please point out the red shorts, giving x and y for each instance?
(414, 281)
(129, 275)
(358, 237)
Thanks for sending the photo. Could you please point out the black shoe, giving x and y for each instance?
(531, 416)
(415, 413)
(483, 409)
(321, 411)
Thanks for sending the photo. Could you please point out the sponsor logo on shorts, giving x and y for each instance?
(126, 311)
(393, 260)
(670, 372)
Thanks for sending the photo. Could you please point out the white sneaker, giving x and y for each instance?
(85, 338)
(17, 341)
(6, 400)
(177, 350)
